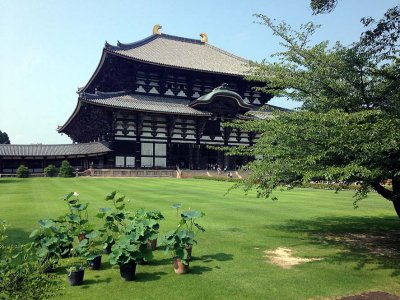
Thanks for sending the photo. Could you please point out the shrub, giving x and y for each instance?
(50, 171)
(66, 170)
(22, 172)
(22, 276)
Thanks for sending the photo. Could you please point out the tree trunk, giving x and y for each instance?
(396, 205)
(393, 196)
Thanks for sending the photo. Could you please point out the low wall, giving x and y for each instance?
(131, 173)
(213, 173)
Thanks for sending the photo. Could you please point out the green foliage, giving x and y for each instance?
(132, 244)
(50, 171)
(115, 219)
(130, 233)
(323, 6)
(22, 172)
(91, 246)
(346, 129)
(66, 170)
(77, 219)
(4, 139)
(178, 241)
(75, 268)
(22, 276)
(50, 241)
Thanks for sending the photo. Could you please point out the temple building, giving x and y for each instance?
(156, 103)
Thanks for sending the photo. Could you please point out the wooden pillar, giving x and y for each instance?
(220, 158)
(191, 156)
(1, 165)
(197, 166)
(138, 132)
(171, 157)
(227, 161)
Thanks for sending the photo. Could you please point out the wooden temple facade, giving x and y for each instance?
(160, 103)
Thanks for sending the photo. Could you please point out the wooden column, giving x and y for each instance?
(191, 156)
(138, 132)
(1, 165)
(171, 121)
(197, 160)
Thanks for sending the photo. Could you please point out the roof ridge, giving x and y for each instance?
(227, 53)
(125, 46)
(180, 38)
(122, 46)
(98, 94)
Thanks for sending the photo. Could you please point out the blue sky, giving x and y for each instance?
(50, 48)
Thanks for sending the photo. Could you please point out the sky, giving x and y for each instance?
(50, 48)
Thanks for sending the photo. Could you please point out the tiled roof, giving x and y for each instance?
(182, 53)
(140, 102)
(221, 91)
(53, 150)
(266, 112)
(259, 114)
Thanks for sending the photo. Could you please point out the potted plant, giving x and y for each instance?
(177, 241)
(125, 253)
(189, 221)
(151, 220)
(90, 248)
(114, 220)
(50, 243)
(181, 240)
(76, 274)
(77, 219)
(130, 248)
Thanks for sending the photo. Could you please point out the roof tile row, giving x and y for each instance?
(53, 150)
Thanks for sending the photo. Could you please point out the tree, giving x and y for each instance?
(322, 6)
(50, 171)
(66, 170)
(22, 172)
(347, 127)
(4, 139)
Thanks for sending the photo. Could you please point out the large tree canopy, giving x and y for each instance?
(4, 138)
(347, 127)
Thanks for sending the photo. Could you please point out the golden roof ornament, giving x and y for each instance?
(204, 37)
(156, 29)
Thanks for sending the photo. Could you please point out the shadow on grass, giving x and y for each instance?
(142, 277)
(4, 180)
(160, 262)
(198, 270)
(365, 240)
(88, 282)
(216, 256)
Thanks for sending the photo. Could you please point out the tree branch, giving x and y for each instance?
(385, 193)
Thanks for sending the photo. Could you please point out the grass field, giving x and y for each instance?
(359, 248)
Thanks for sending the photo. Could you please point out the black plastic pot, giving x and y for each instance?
(76, 277)
(128, 271)
(95, 263)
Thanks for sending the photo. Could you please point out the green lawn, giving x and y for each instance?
(356, 245)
